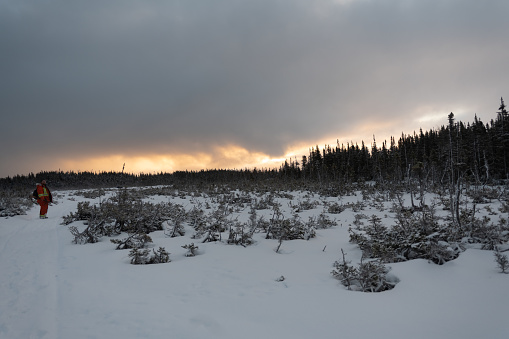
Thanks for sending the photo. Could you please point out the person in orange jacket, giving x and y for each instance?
(44, 198)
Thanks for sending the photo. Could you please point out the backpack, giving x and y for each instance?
(35, 194)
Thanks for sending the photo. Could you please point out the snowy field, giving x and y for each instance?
(52, 288)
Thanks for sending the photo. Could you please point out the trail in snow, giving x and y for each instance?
(30, 292)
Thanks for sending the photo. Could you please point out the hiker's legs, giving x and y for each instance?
(44, 207)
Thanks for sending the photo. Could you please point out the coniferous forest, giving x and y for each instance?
(475, 152)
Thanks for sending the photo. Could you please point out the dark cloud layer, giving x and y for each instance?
(132, 77)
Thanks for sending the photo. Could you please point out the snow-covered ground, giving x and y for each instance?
(52, 288)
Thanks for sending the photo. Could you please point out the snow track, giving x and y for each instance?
(29, 293)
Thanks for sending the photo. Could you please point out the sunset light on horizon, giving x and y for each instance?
(231, 156)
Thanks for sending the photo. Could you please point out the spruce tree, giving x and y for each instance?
(502, 135)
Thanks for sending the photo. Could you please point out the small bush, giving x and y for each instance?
(143, 257)
(335, 208)
(240, 235)
(191, 249)
(502, 262)
(159, 257)
(370, 276)
(85, 237)
(136, 240)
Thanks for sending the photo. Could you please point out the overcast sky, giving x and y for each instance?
(171, 85)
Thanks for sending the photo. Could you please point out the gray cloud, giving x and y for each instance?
(97, 77)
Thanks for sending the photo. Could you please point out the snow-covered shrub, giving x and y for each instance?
(14, 202)
(504, 207)
(335, 208)
(141, 216)
(484, 232)
(240, 235)
(265, 202)
(212, 236)
(139, 256)
(334, 190)
(159, 257)
(84, 212)
(502, 262)
(356, 206)
(285, 229)
(260, 224)
(415, 235)
(91, 194)
(216, 223)
(135, 240)
(124, 212)
(309, 231)
(485, 194)
(175, 225)
(369, 276)
(144, 257)
(304, 205)
(344, 272)
(85, 237)
(191, 249)
(196, 216)
(439, 251)
(358, 219)
(253, 223)
(323, 221)
(235, 199)
(374, 240)
(372, 276)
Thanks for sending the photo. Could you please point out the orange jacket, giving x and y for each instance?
(44, 193)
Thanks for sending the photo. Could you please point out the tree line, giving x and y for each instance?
(474, 151)
(457, 151)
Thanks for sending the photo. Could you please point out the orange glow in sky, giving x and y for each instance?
(227, 157)
(237, 157)
(232, 156)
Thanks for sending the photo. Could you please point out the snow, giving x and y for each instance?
(52, 288)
